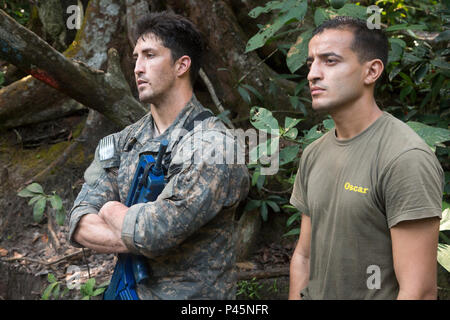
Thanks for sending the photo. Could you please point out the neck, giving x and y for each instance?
(166, 110)
(354, 119)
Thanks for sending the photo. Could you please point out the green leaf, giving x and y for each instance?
(398, 41)
(277, 199)
(405, 92)
(98, 291)
(35, 188)
(328, 124)
(48, 291)
(255, 176)
(299, 87)
(262, 119)
(56, 291)
(431, 135)
(291, 133)
(409, 58)
(320, 16)
(38, 209)
(34, 199)
(396, 52)
(260, 182)
(292, 232)
(312, 135)
(25, 193)
(60, 216)
(264, 211)
(273, 205)
(288, 154)
(395, 72)
(421, 73)
(443, 36)
(293, 10)
(294, 217)
(445, 221)
(443, 256)
(254, 91)
(290, 122)
(298, 53)
(252, 205)
(65, 291)
(51, 278)
(244, 94)
(270, 6)
(440, 63)
(56, 202)
(88, 287)
(353, 10)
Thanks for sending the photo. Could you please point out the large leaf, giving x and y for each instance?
(271, 5)
(297, 54)
(320, 16)
(56, 202)
(353, 10)
(35, 187)
(443, 256)
(294, 10)
(288, 154)
(432, 136)
(262, 119)
(31, 190)
(38, 209)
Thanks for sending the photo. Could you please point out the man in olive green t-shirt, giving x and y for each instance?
(370, 190)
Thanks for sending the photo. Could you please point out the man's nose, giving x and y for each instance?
(315, 73)
(138, 67)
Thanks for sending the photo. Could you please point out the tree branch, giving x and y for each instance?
(107, 93)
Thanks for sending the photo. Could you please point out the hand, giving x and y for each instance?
(113, 213)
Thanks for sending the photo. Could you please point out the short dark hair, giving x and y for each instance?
(177, 33)
(367, 44)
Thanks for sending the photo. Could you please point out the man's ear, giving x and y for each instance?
(183, 64)
(374, 70)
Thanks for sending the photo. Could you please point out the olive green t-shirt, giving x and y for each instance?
(354, 191)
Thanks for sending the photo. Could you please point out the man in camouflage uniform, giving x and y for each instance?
(187, 234)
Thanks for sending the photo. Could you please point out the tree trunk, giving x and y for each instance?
(226, 63)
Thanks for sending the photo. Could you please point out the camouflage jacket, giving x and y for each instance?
(187, 234)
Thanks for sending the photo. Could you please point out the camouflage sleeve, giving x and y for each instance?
(194, 196)
(100, 187)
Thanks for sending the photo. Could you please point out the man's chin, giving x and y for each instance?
(321, 108)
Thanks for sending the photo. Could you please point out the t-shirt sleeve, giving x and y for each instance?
(412, 187)
(298, 197)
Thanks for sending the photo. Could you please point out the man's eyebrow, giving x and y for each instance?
(145, 50)
(325, 55)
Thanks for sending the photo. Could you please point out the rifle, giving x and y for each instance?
(130, 269)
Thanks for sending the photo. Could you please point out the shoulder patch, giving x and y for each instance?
(106, 148)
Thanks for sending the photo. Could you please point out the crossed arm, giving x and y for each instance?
(102, 232)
